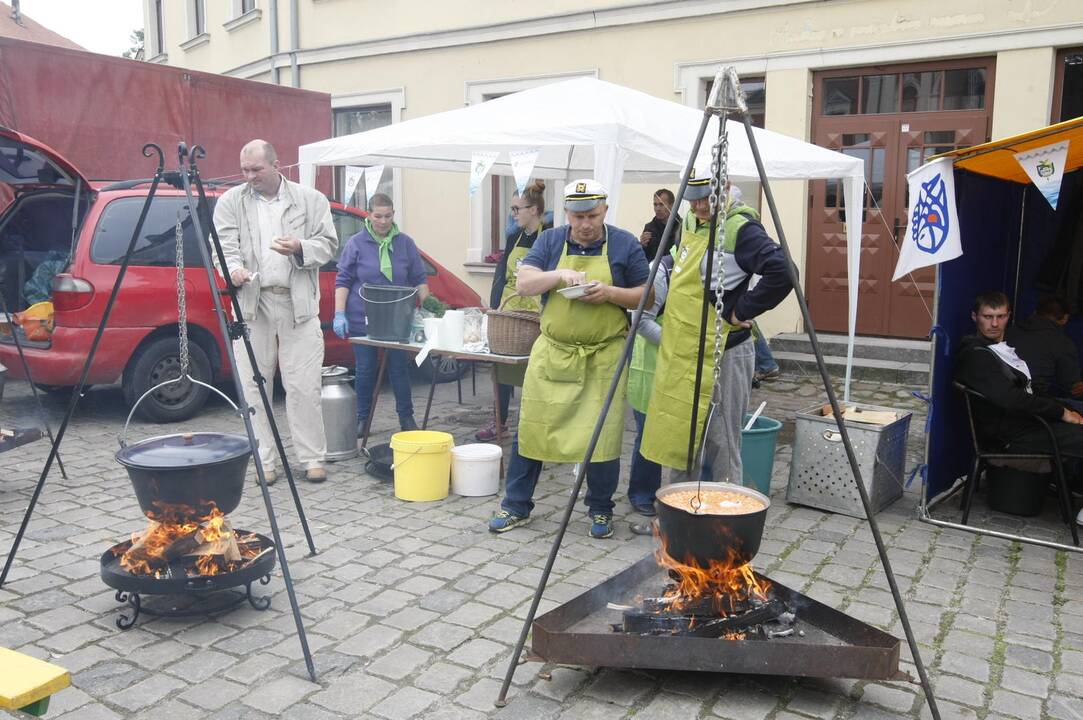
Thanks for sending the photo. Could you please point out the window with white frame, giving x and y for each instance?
(197, 18)
(240, 7)
(155, 38)
(350, 120)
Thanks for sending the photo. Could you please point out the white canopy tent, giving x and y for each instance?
(591, 128)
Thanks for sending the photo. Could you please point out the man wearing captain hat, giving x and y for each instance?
(747, 250)
(573, 361)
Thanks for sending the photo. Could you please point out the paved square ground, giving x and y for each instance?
(412, 610)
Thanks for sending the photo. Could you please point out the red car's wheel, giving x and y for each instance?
(160, 361)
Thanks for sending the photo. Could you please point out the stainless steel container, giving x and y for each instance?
(339, 405)
(820, 474)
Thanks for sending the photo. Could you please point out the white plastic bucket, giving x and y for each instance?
(451, 332)
(475, 469)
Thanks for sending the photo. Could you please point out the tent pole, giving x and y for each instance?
(833, 399)
(573, 495)
(1019, 254)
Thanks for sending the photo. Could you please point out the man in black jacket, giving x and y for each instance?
(984, 362)
(1050, 354)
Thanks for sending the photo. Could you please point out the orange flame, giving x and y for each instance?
(146, 555)
(727, 583)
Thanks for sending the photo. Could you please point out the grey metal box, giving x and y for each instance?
(820, 474)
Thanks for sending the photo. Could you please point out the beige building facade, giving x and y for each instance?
(893, 83)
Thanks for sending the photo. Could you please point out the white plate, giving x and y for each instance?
(574, 292)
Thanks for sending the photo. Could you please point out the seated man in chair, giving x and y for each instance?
(985, 363)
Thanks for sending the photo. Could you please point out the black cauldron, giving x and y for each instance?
(699, 539)
(187, 474)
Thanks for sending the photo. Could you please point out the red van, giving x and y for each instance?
(56, 219)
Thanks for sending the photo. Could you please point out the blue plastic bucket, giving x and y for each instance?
(758, 452)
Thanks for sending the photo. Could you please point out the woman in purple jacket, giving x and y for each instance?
(378, 255)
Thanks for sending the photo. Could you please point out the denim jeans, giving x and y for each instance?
(367, 364)
(646, 475)
(504, 396)
(523, 473)
(765, 361)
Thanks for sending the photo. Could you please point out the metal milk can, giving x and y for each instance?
(339, 405)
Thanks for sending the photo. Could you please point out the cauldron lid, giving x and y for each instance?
(183, 450)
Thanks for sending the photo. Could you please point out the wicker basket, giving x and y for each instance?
(513, 332)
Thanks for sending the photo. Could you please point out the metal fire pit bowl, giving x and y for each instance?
(580, 632)
(220, 592)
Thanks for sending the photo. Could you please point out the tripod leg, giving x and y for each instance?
(246, 416)
(874, 527)
(77, 392)
(260, 381)
(573, 497)
(33, 388)
(199, 212)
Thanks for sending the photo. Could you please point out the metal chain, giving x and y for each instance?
(719, 180)
(182, 301)
(719, 183)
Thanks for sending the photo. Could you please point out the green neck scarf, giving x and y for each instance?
(385, 246)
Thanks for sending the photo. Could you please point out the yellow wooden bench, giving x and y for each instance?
(26, 682)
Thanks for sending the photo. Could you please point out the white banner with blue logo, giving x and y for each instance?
(480, 163)
(1045, 168)
(352, 177)
(932, 229)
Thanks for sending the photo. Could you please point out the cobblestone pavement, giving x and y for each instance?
(412, 610)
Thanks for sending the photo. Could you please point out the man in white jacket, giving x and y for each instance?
(275, 236)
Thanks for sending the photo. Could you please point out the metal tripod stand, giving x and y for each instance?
(726, 98)
(237, 330)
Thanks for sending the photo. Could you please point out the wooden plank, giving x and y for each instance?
(25, 679)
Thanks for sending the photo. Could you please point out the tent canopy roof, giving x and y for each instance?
(568, 122)
(997, 158)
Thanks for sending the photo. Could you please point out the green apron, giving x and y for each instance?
(571, 366)
(669, 412)
(641, 371)
(514, 374)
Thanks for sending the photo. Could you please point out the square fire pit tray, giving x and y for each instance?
(11, 438)
(580, 632)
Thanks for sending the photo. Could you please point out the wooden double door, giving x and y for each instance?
(891, 144)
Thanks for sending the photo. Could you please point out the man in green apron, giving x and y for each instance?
(573, 361)
(746, 250)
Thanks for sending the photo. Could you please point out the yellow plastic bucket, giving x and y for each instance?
(422, 464)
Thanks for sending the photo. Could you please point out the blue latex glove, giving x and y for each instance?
(339, 324)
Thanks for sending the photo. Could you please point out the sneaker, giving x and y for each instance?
(504, 521)
(767, 376)
(407, 423)
(645, 509)
(270, 476)
(601, 526)
(489, 434)
(315, 475)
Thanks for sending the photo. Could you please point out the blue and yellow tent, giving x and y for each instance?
(1010, 243)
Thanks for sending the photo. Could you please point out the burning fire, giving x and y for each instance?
(203, 541)
(729, 585)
